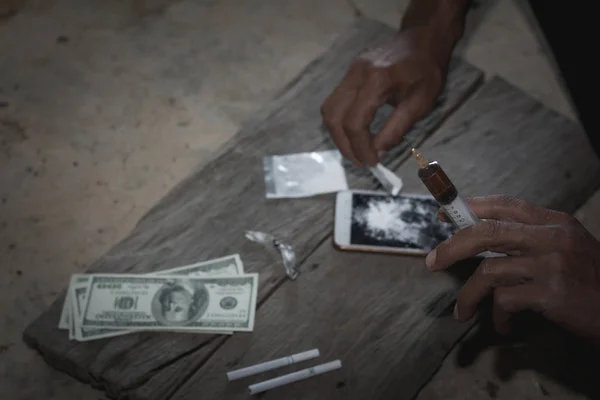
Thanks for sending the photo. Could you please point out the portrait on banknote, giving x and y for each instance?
(179, 302)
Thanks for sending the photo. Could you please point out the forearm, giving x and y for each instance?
(443, 20)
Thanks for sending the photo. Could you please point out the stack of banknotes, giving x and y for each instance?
(214, 296)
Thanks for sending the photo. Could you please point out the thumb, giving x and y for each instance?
(413, 107)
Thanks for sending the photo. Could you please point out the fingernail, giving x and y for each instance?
(430, 259)
(357, 163)
(456, 310)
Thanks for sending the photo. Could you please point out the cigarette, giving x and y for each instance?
(294, 377)
(269, 365)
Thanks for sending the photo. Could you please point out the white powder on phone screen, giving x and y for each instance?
(398, 222)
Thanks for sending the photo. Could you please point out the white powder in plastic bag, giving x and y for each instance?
(304, 174)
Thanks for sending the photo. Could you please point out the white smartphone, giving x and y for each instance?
(379, 222)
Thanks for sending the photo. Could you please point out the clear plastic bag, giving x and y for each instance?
(304, 174)
(278, 249)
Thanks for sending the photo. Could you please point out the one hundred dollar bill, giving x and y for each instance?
(71, 323)
(78, 291)
(170, 302)
(64, 322)
(230, 265)
(87, 334)
(223, 266)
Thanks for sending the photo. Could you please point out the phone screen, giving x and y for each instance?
(404, 222)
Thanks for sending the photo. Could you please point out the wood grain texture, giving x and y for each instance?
(205, 216)
(387, 317)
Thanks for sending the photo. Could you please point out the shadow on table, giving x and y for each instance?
(538, 345)
(534, 344)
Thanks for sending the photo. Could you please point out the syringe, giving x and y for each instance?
(443, 190)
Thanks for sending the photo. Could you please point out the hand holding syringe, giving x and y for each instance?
(443, 190)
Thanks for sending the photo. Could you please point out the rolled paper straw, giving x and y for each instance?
(390, 181)
(269, 365)
(294, 377)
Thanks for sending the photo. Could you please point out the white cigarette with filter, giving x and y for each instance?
(269, 365)
(294, 377)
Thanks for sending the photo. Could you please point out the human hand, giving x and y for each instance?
(552, 265)
(408, 72)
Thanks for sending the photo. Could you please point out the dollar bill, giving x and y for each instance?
(78, 297)
(223, 266)
(64, 321)
(71, 323)
(170, 302)
(87, 334)
(230, 265)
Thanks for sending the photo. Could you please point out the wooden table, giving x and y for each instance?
(386, 317)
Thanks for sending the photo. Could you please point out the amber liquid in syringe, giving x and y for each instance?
(443, 190)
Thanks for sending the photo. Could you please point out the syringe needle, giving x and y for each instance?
(418, 156)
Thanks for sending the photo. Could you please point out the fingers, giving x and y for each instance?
(416, 103)
(509, 300)
(509, 208)
(502, 319)
(513, 299)
(337, 134)
(349, 111)
(336, 106)
(442, 216)
(358, 118)
(491, 274)
(496, 236)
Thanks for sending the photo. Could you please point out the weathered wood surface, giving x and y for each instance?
(205, 216)
(386, 317)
